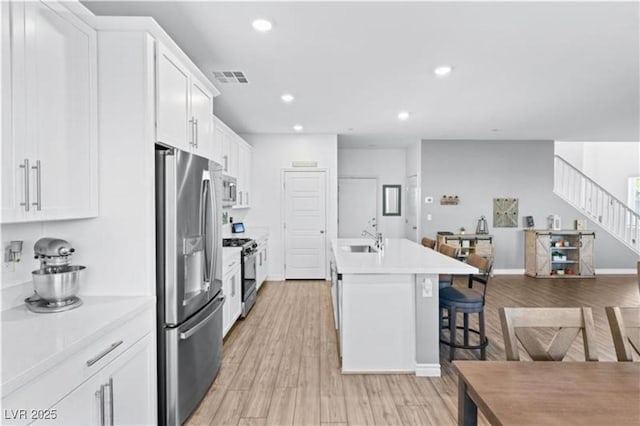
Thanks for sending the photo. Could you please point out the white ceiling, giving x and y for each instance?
(546, 70)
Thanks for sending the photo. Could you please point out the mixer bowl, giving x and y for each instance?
(57, 287)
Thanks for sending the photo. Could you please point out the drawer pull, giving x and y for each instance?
(103, 353)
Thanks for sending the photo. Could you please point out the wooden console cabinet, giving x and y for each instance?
(559, 254)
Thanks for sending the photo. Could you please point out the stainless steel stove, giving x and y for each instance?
(248, 267)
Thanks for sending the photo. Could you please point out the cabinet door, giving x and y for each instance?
(233, 155)
(235, 305)
(226, 308)
(218, 141)
(247, 174)
(173, 124)
(202, 113)
(543, 255)
(15, 147)
(54, 120)
(80, 407)
(586, 256)
(131, 385)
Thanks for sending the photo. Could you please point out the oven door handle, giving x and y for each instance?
(193, 330)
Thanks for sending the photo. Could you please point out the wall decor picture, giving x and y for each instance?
(505, 212)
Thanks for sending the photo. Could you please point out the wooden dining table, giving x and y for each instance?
(549, 393)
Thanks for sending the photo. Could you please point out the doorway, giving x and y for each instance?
(357, 201)
(305, 224)
(411, 225)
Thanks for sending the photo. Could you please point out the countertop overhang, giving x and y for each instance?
(398, 256)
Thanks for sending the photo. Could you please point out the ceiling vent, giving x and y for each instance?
(226, 77)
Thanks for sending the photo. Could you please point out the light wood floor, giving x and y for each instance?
(280, 365)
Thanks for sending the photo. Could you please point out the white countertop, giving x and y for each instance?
(33, 343)
(398, 256)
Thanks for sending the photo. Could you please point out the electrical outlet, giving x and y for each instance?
(429, 217)
(427, 288)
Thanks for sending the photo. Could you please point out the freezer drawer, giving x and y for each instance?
(194, 354)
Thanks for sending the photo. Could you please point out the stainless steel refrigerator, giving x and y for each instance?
(189, 296)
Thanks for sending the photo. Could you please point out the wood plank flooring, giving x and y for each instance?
(280, 365)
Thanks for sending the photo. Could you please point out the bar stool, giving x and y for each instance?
(429, 243)
(451, 251)
(466, 301)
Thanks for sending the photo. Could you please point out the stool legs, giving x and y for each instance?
(466, 328)
(483, 351)
(452, 332)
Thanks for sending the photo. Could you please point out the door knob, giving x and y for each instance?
(322, 231)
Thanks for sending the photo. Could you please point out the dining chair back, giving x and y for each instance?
(429, 243)
(448, 250)
(517, 323)
(625, 330)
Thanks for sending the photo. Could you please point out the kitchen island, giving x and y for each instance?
(386, 305)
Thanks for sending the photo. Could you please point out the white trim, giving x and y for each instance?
(428, 370)
(269, 278)
(616, 271)
(508, 272)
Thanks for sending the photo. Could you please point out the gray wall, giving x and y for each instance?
(479, 171)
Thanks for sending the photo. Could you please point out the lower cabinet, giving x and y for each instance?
(232, 289)
(122, 393)
(261, 263)
(559, 254)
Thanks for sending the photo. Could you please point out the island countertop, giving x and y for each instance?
(398, 256)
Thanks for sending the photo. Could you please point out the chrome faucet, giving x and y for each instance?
(377, 237)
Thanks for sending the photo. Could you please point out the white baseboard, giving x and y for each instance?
(508, 272)
(428, 370)
(275, 278)
(616, 271)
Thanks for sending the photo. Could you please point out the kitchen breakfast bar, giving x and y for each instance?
(385, 304)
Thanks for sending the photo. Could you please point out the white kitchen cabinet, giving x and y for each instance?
(244, 174)
(114, 371)
(262, 262)
(122, 393)
(50, 149)
(218, 141)
(184, 107)
(232, 289)
(229, 152)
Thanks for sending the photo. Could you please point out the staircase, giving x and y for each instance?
(597, 204)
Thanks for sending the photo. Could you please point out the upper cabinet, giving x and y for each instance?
(184, 107)
(244, 174)
(49, 114)
(236, 161)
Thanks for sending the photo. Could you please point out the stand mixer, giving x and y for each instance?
(56, 283)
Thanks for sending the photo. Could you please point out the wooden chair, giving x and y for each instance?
(625, 330)
(571, 322)
(466, 301)
(451, 251)
(429, 243)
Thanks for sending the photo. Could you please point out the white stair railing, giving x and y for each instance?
(597, 204)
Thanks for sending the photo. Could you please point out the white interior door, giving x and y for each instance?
(305, 224)
(413, 202)
(357, 201)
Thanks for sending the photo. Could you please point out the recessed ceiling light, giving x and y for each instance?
(298, 127)
(443, 70)
(403, 115)
(262, 25)
(495, 130)
(287, 98)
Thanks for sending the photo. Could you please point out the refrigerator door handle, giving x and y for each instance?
(170, 241)
(206, 218)
(193, 330)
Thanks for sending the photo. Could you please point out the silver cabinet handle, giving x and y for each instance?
(240, 196)
(110, 385)
(192, 142)
(25, 166)
(104, 353)
(247, 197)
(38, 170)
(197, 135)
(226, 163)
(100, 396)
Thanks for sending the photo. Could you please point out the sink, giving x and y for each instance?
(360, 249)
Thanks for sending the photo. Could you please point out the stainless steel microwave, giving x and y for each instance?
(229, 189)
